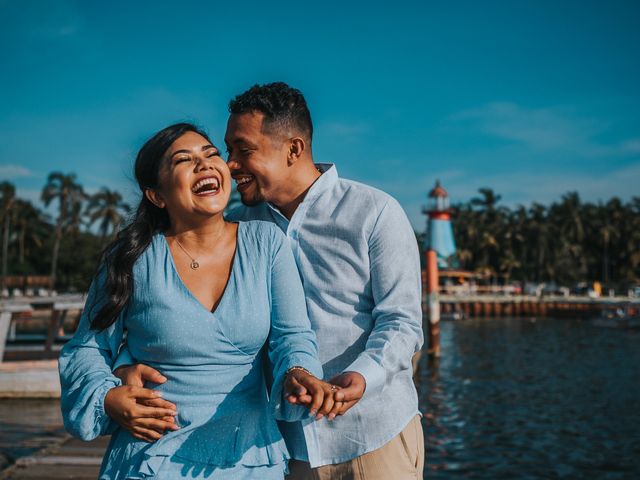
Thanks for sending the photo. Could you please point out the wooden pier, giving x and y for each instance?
(29, 379)
(68, 458)
(28, 363)
(527, 306)
(51, 312)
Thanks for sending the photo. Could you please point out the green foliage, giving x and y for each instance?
(64, 247)
(107, 209)
(79, 255)
(567, 242)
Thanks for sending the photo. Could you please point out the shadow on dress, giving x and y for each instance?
(242, 429)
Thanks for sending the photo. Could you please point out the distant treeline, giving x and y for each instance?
(66, 245)
(566, 242)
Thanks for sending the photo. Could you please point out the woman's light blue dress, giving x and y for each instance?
(214, 363)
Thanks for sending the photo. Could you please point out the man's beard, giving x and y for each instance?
(251, 201)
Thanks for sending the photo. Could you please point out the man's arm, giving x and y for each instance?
(397, 312)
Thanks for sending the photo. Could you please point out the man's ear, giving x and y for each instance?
(154, 197)
(296, 149)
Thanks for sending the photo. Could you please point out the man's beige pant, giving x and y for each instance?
(402, 458)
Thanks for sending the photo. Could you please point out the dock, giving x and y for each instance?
(69, 458)
(50, 313)
(29, 379)
(529, 305)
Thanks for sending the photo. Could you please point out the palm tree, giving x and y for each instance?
(107, 207)
(30, 226)
(70, 196)
(631, 240)
(518, 235)
(568, 216)
(491, 229)
(8, 192)
(487, 201)
(567, 241)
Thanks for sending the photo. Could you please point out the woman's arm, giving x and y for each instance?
(92, 397)
(85, 371)
(292, 343)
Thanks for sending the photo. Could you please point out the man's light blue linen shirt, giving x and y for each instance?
(358, 258)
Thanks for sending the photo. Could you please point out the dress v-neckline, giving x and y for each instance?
(188, 292)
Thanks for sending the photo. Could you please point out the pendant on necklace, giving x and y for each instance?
(194, 265)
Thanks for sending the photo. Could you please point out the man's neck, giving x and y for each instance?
(300, 185)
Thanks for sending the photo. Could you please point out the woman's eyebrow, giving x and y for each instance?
(204, 147)
(180, 151)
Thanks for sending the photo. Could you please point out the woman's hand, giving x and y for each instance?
(125, 406)
(302, 388)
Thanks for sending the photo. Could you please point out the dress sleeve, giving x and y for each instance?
(396, 288)
(85, 370)
(124, 358)
(291, 340)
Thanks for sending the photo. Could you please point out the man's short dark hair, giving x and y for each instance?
(284, 108)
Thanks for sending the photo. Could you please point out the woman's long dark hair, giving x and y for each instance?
(120, 256)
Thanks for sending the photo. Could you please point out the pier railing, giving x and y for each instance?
(528, 305)
(459, 304)
(12, 312)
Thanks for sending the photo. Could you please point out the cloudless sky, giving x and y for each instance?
(531, 98)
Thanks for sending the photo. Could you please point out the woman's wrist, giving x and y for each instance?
(297, 368)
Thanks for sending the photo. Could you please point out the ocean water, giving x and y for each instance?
(525, 398)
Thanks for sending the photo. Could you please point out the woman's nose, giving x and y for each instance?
(205, 163)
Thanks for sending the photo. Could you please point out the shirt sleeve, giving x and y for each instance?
(291, 340)
(85, 371)
(396, 289)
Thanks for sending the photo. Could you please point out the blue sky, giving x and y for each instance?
(533, 99)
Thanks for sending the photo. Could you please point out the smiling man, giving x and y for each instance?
(358, 258)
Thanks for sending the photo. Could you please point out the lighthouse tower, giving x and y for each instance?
(439, 232)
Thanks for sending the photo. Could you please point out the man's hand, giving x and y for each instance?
(137, 375)
(352, 389)
(125, 406)
(302, 388)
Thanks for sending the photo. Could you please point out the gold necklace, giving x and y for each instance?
(194, 263)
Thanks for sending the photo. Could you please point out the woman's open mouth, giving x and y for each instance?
(206, 186)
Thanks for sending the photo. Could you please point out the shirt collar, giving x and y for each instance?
(327, 180)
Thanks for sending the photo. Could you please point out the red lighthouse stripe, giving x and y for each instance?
(440, 215)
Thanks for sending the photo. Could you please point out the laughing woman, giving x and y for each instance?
(201, 300)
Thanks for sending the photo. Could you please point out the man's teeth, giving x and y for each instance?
(243, 180)
(213, 182)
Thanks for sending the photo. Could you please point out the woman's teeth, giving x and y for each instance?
(206, 185)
